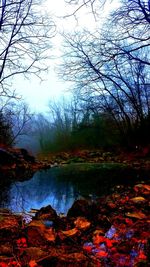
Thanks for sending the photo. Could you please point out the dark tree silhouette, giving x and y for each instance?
(117, 84)
(25, 33)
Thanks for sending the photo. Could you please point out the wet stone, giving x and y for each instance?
(46, 213)
(80, 207)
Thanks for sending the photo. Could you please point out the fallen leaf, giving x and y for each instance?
(98, 232)
(109, 243)
(142, 256)
(111, 205)
(82, 223)
(8, 222)
(128, 221)
(3, 264)
(49, 234)
(137, 187)
(40, 229)
(98, 237)
(32, 263)
(137, 215)
(138, 199)
(146, 186)
(21, 242)
(70, 232)
(102, 254)
(88, 246)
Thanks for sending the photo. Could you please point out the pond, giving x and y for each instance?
(61, 186)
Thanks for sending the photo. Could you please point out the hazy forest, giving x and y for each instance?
(108, 68)
(92, 148)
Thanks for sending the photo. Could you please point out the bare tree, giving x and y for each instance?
(118, 85)
(137, 10)
(128, 27)
(110, 68)
(25, 33)
(41, 130)
(19, 117)
(90, 4)
(129, 32)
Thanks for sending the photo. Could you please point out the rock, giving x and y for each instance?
(46, 213)
(79, 208)
(22, 154)
(6, 158)
(62, 223)
(27, 156)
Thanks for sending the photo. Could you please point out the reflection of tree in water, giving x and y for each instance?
(64, 198)
(4, 196)
(4, 191)
(43, 189)
(59, 187)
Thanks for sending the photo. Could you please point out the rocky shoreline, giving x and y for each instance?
(19, 159)
(134, 159)
(18, 164)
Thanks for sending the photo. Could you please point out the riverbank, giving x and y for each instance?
(111, 231)
(133, 159)
(18, 164)
(16, 160)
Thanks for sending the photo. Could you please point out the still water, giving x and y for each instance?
(60, 187)
(41, 190)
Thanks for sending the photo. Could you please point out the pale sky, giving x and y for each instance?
(37, 94)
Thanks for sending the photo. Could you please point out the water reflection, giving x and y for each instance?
(59, 187)
(43, 189)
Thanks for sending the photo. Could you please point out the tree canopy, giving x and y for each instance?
(110, 67)
(25, 33)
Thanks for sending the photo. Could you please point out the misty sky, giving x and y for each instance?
(36, 93)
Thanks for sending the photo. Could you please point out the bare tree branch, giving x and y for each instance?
(25, 39)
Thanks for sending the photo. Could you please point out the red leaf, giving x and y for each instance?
(109, 243)
(128, 221)
(102, 254)
(142, 256)
(3, 264)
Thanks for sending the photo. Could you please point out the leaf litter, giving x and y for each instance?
(113, 231)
